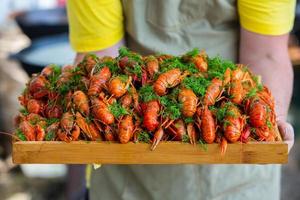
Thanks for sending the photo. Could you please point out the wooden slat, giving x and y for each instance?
(82, 152)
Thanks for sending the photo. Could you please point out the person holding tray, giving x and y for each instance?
(250, 32)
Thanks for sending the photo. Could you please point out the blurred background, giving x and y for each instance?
(33, 34)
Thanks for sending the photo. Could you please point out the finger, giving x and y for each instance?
(287, 133)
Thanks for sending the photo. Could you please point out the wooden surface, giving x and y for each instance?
(131, 153)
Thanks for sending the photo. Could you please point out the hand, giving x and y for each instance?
(287, 133)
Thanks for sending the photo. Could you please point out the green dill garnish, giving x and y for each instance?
(197, 84)
(123, 51)
(257, 80)
(113, 67)
(50, 136)
(193, 52)
(252, 93)
(89, 59)
(147, 93)
(203, 144)
(123, 77)
(117, 110)
(92, 56)
(111, 64)
(230, 113)
(217, 67)
(134, 61)
(63, 89)
(20, 135)
(223, 111)
(88, 119)
(185, 138)
(24, 111)
(76, 70)
(144, 137)
(135, 70)
(260, 87)
(268, 109)
(269, 124)
(150, 58)
(74, 83)
(188, 120)
(34, 120)
(220, 113)
(50, 121)
(171, 108)
(226, 123)
(175, 62)
(173, 94)
(53, 78)
(172, 111)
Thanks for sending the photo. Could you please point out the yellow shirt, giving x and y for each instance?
(94, 24)
(268, 17)
(99, 24)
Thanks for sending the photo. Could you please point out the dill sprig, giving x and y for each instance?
(53, 78)
(74, 83)
(218, 66)
(203, 144)
(257, 80)
(269, 124)
(222, 112)
(144, 136)
(124, 51)
(50, 121)
(87, 60)
(135, 70)
(135, 60)
(123, 77)
(117, 110)
(252, 93)
(171, 108)
(185, 138)
(20, 135)
(188, 120)
(253, 130)
(24, 111)
(50, 136)
(111, 64)
(175, 62)
(197, 84)
(91, 55)
(34, 120)
(147, 93)
(193, 52)
(226, 123)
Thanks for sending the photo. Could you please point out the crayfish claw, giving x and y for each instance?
(223, 146)
(157, 137)
(154, 144)
(192, 133)
(193, 140)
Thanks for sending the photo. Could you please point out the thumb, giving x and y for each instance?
(287, 133)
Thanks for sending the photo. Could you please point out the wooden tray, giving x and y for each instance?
(83, 152)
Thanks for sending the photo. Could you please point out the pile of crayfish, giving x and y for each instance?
(190, 98)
